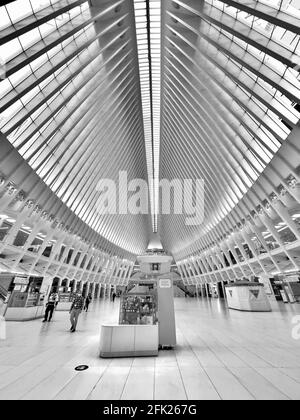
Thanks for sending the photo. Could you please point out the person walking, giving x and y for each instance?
(87, 302)
(50, 306)
(75, 311)
(114, 295)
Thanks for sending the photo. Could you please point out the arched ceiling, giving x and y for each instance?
(71, 103)
(230, 99)
(183, 89)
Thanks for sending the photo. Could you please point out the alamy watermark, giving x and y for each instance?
(296, 329)
(180, 197)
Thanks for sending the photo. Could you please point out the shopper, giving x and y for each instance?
(50, 306)
(114, 295)
(87, 302)
(75, 311)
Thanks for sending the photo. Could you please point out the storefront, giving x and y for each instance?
(286, 287)
(25, 298)
(291, 285)
(214, 290)
(65, 295)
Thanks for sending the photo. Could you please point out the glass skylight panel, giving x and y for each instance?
(150, 71)
(46, 134)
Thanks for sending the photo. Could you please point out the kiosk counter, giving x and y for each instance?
(247, 296)
(128, 340)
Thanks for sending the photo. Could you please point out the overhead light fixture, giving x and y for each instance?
(9, 220)
(282, 228)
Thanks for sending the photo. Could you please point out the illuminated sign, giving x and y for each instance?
(21, 280)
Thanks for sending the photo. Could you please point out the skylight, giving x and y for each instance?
(148, 24)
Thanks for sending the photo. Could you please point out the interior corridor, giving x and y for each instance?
(221, 354)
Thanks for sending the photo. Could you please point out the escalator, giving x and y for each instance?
(188, 291)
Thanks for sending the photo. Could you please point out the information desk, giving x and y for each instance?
(128, 340)
(247, 296)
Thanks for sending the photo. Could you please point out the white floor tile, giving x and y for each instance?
(227, 386)
(81, 385)
(139, 384)
(220, 354)
(259, 387)
(111, 385)
(284, 383)
(197, 384)
(169, 384)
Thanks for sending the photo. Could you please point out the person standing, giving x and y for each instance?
(87, 302)
(114, 295)
(75, 311)
(56, 299)
(50, 306)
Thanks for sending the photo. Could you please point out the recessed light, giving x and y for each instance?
(11, 220)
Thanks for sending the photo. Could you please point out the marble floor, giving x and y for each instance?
(221, 354)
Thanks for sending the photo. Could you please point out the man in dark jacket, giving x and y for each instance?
(75, 311)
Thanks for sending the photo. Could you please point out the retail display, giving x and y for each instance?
(138, 309)
(137, 332)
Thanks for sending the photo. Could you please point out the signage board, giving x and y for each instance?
(21, 280)
(165, 283)
(292, 279)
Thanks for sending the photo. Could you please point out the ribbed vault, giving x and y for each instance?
(171, 89)
(71, 104)
(230, 99)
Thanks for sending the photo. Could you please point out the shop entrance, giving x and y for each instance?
(55, 284)
(220, 290)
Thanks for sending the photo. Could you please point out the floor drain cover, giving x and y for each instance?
(81, 367)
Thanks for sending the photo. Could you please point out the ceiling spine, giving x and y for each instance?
(148, 27)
